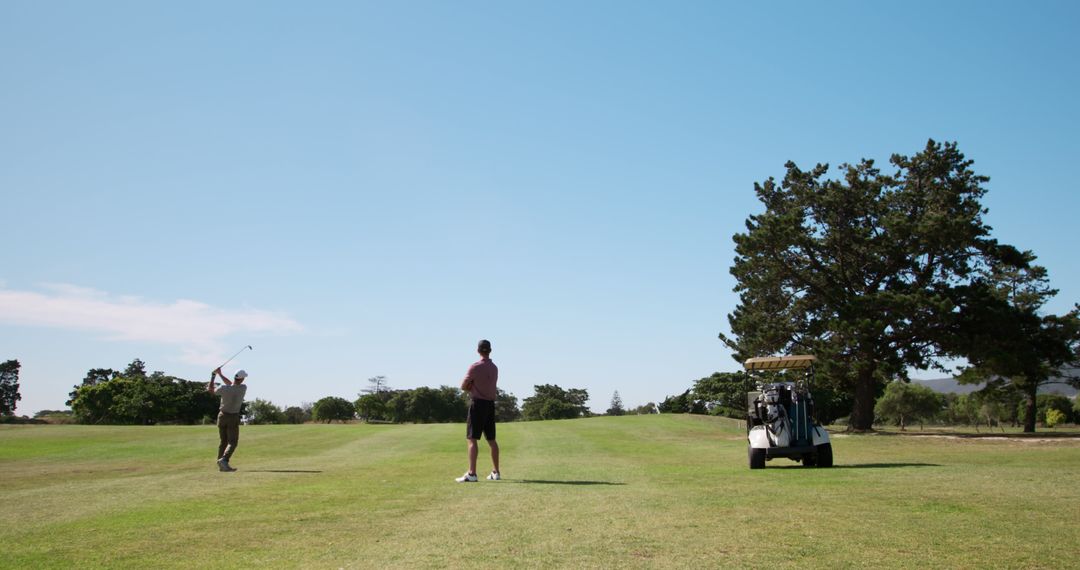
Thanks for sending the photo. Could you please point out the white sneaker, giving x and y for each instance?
(494, 476)
(467, 478)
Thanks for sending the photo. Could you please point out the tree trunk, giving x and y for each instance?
(1030, 409)
(862, 410)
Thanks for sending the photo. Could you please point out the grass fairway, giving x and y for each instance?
(633, 491)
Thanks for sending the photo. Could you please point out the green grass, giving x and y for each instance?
(636, 491)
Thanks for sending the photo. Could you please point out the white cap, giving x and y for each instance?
(240, 375)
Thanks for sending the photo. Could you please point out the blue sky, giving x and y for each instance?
(361, 189)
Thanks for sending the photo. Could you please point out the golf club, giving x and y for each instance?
(248, 347)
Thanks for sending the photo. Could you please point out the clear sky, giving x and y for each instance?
(368, 188)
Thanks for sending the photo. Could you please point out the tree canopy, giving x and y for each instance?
(550, 402)
(616, 407)
(264, 412)
(724, 393)
(1009, 342)
(904, 402)
(332, 408)
(426, 405)
(869, 271)
(685, 403)
(506, 407)
(133, 397)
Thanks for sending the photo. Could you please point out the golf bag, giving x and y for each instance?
(777, 423)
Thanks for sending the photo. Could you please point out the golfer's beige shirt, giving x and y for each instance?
(232, 397)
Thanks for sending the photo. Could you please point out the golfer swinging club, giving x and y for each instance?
(480, 383)
(228, 420)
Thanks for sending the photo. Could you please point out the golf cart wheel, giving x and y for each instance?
(757, 457)
(824, 455)
(810, 460)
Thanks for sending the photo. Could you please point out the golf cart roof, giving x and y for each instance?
(779, 362)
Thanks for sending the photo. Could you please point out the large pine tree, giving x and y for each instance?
(868, 271)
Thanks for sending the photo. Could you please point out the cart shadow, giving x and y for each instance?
(859, 466)
(883, 465)
(551, 482)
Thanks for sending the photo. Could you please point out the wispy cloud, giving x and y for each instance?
(198, 330)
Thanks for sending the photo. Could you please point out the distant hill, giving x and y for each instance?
(947, 385)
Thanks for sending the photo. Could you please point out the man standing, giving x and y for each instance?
(480, 383)
(228, 420)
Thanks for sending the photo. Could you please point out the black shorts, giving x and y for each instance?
(481, 419)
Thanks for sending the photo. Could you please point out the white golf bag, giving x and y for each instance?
(777, 424)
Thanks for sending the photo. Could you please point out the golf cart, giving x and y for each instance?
(780, 415)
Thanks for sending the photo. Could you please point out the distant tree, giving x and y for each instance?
(136, 402)
(959, 410)
(133, 397)
(9, 387)
(1046, 402)
(645, 409)
(830, 402)
(92, 403)
(437, 405)
(675, 404)
(333, 408)
(616, 408)
(724, 392)
(550, 402)
(904, 402)
(55, 416)
(121, 400)
(453, 404)
(264, 412)
(297, 415)
(872, 272)
(190, 403)
(506, 407)
(1054, 417)
(424, 405)
(376, 385)
(1010, 343)
(93, 377)
(684, 403)
(396, 404)
(46, 413)
(995, 404)
(137, 369)
(370, 407)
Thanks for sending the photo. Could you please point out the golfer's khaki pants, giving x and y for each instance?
(228, 426)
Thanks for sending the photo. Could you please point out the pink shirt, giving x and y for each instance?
(484, 375)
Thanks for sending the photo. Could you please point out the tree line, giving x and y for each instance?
(901, 403)
(134, 397)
